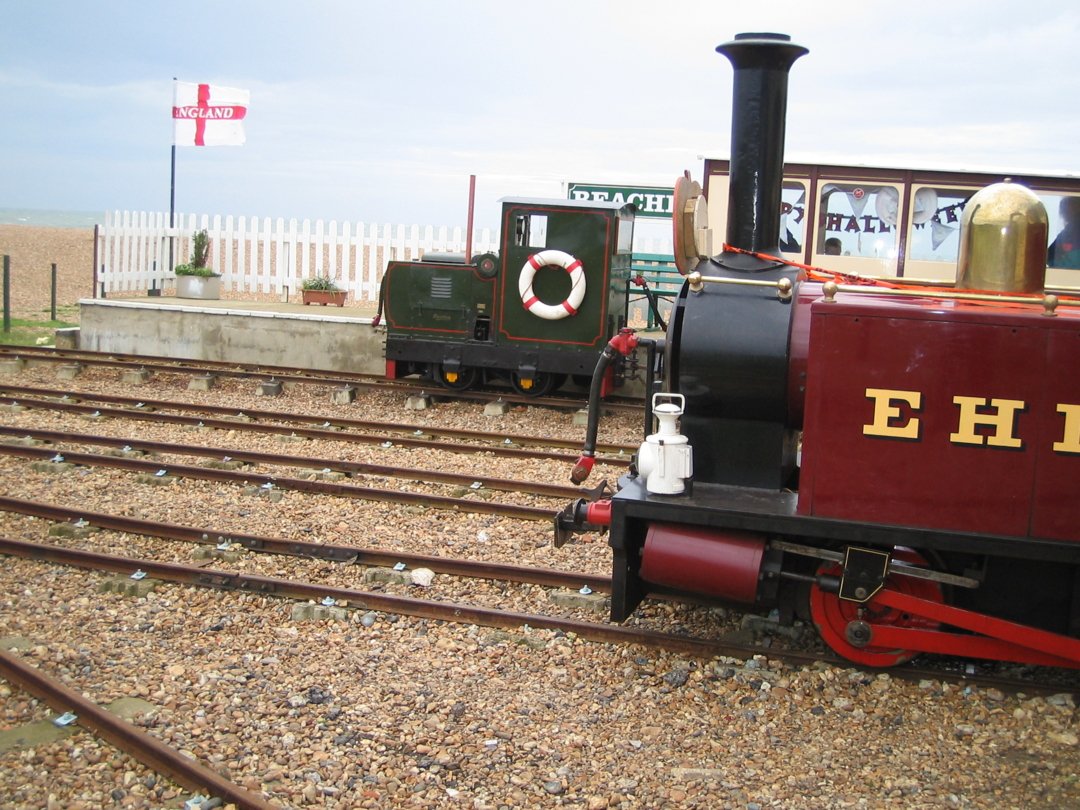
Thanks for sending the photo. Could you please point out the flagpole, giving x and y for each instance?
(172, 205)
(172, 190)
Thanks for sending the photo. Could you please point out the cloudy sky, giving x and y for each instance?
(380, 110)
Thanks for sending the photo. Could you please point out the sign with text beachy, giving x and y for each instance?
(651, 201)
(208, 115)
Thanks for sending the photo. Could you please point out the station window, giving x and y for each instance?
(858, 219)
(935, 223)
(792, 217)
(1063, 213)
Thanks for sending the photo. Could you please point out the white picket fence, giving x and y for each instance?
(272, 257)
(264, 255)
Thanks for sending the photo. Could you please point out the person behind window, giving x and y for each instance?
(1064, 251)
(832, 246)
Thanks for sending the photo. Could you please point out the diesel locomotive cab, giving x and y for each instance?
(895, 463)
(535, 313)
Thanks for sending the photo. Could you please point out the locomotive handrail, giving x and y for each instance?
(782, 286)
(1048, 301)
(911, 288)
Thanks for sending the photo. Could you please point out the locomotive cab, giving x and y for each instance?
(533, 314)
(562, 275)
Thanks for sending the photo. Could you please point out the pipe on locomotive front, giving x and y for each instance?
(761, 63)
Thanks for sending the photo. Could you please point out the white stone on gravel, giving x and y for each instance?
(422, 577)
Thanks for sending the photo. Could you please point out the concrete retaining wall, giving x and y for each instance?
(332, 343)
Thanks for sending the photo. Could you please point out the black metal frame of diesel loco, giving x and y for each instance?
(425, 356)
(773, 514)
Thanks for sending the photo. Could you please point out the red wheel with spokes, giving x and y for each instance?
(833, 615)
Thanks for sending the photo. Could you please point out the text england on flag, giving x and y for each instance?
(208, 115)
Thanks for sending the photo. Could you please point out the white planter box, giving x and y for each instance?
(205, 287)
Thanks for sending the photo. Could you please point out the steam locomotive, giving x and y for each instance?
(896, 463)
(533, 314)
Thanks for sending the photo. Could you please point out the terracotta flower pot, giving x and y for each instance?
(324, 297)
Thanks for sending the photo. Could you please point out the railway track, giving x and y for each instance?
(199, 575)
(126, 737)
(221, 579)
(308, 550)
(133, 446)
(263, 373)
(33, 396)
(269, 482)
(239, 421)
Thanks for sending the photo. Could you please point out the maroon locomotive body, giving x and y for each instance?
(897, 463)
(943, 414)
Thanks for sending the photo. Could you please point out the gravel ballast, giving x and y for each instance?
(386, 711)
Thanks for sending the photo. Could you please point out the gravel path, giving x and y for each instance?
(381, 711)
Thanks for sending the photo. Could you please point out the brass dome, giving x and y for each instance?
(1003, 239)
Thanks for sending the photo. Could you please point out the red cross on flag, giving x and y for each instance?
(208, 115)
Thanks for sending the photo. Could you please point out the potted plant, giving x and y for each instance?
(322, 290)
(195, 279)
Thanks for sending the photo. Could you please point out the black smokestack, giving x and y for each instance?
(759, 108)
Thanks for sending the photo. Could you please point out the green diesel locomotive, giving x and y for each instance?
(536, 313)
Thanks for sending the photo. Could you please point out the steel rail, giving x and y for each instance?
(311, 433)
(158, 468)
(468, 614)
(366, 600)
(189, 364)
(144, 747)
(285, 373)
(307, 549)
(319, 422)
(280, 459)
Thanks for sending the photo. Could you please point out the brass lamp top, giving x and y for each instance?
(1003, 240)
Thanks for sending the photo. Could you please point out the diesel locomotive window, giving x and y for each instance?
(935, 223)
(792, 217)
(531, 231)
(858, 219)
(625, 242)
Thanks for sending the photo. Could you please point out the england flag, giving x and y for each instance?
(208, 115)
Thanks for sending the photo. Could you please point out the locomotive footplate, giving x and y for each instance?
(725, 506)
(881, 602)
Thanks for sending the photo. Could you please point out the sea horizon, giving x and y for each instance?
(46, 218)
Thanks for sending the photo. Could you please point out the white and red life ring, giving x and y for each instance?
(552, 312)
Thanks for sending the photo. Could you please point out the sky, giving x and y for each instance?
(380, 110)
